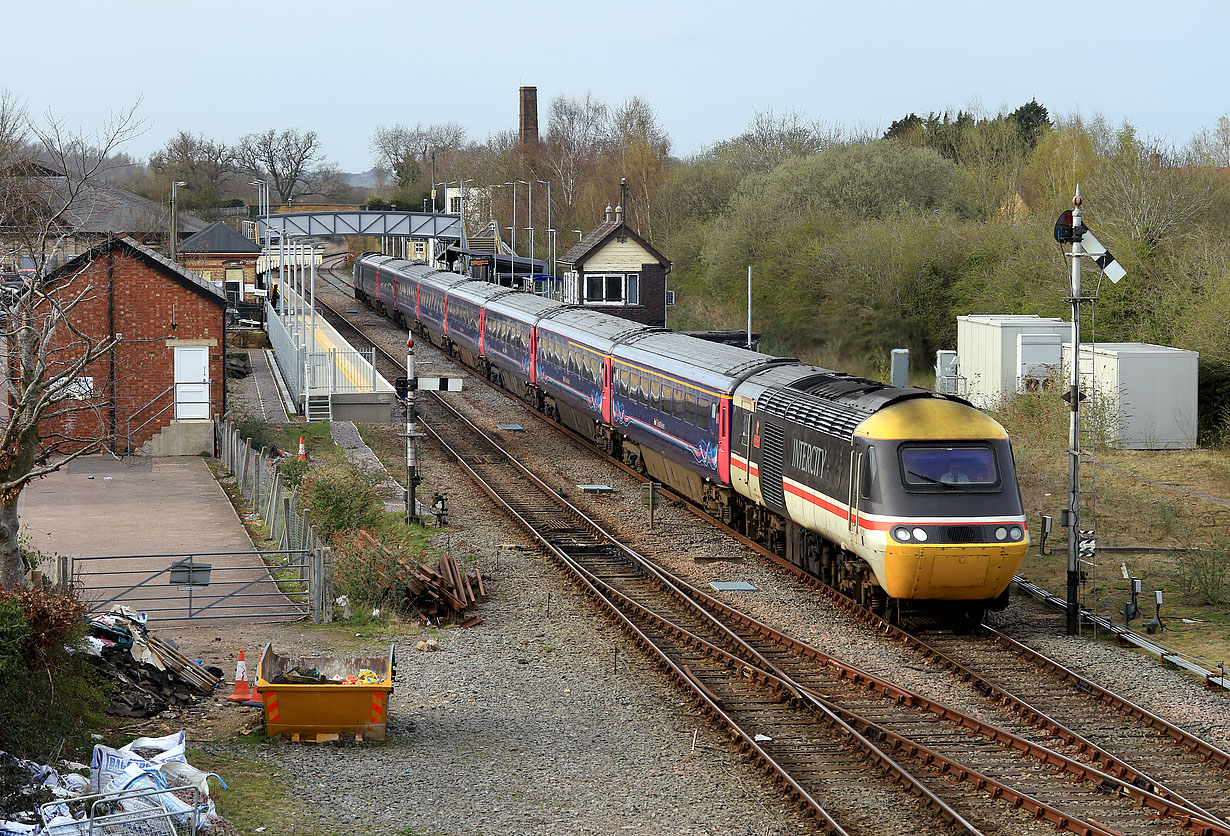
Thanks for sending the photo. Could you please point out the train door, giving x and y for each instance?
(418, 293)
(534, 354)
(482, 331)
(608, 375)
(856, 490)
(724, 440)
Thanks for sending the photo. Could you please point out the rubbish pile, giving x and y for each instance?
(145, 787)
(150, 674)
(302, 675)
(439, 592)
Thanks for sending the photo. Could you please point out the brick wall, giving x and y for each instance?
(152, 311)
(216, 266)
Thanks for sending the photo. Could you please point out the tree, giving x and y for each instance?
(771, 140)
(411, 154)
(575, 130)
(286, 158)
(44, 172)
(203, 164)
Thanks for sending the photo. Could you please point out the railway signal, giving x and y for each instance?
(405, 388)
(1069, 229)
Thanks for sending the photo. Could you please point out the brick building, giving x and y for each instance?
(615, 269)
(225, 259)
(161, 385)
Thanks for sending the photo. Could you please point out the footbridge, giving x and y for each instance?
(395, 224)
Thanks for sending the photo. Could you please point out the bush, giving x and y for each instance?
(256, 430)
(1204, 575)
(341, 497)
(53, 699)
(371, 576)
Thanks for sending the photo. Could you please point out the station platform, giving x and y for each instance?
(325, 375)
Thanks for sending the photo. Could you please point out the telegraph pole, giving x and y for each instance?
(1074, 430)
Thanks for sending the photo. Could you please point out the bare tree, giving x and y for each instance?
(575, 130)
(47, 352)
(202, 163)
(411, 152)
(286, 158)
(1148, 191)
(1212, 147)
(770, 140)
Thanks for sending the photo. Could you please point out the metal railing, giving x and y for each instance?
(130, 430)
(192, 585)
(316, 372)
(258, 479)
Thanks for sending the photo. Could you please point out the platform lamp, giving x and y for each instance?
(175, 184)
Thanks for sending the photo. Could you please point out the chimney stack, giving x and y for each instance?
(529, 116)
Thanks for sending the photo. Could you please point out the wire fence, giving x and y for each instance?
(260, 481)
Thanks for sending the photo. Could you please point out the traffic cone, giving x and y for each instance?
(243, 691)
(302, 450)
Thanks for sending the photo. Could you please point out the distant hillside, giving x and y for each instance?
(363, 180)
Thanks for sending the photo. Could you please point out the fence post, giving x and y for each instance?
(256, 480)
(314, 588)
(247, 459)
(271, 518)
(326, 584)
(63, 573)
(303, 530)
(372, 358)
(284, 542)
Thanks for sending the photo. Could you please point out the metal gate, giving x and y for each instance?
(282, 585)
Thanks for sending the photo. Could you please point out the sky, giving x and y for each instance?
(227, 68)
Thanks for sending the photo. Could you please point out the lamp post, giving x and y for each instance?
(513, 242)
(175, 184)
(550, 251)
(530, 183)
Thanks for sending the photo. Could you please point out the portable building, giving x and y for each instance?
(1146, 394)
(1001, 354)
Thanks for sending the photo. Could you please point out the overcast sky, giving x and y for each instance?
(342, 69)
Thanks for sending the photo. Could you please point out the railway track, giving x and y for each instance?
(813, 709)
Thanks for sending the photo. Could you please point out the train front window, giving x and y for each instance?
(949, 468)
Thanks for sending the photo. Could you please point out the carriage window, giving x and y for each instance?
(689, 410)
(623, 383)
(702, 414)
(666, 400)
(655, 395)
(745, 424)
(678, 404)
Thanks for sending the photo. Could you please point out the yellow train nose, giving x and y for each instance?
(958, 572)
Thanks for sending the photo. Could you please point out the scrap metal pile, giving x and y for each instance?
(150, 674)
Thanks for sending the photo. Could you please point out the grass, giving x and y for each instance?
(260, 795)
(1131, 513)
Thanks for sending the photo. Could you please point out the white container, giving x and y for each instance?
(1000, 354)
(1148, 393)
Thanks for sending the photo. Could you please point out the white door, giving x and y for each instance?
(191, 382)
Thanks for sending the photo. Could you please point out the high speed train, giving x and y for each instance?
(904, 499)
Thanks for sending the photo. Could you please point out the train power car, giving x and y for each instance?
(903, 499)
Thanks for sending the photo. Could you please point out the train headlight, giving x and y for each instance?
(1015, 532)
(1001, 533)
(919, 535)
(902, 534)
